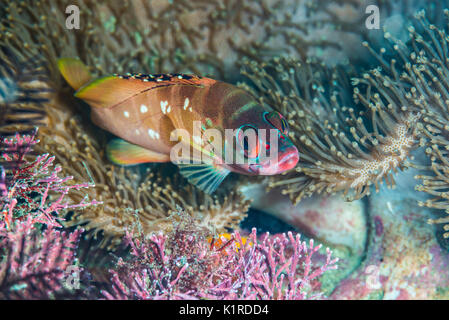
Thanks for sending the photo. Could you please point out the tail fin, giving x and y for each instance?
(74, 72)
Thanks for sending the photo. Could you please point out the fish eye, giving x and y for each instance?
(248, 141)
(277, 121)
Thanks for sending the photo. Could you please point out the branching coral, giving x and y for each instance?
(35, 263)
(34, 190)
(35, 256)
(183, 264)
(340, 148)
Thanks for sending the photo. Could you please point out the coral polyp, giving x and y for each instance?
(205, 37)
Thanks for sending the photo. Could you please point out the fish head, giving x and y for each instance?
(262, 145)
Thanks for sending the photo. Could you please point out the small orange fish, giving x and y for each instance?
(147, 111)
(224, 240)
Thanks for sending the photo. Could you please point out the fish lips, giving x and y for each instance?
(287, 161)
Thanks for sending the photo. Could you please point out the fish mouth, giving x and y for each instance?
(289, 161)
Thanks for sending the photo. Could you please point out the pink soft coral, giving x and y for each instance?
(35, 262)
(27, 189)
(34, 255)
(185, 265)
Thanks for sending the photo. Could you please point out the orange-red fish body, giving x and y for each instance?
(146, 110)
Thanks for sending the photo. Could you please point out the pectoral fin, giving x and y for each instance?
(124, 153)
(206, 177)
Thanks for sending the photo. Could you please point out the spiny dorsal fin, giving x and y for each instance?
(111, 90)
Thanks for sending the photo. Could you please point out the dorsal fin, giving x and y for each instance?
(109, 91)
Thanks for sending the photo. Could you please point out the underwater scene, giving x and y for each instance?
(224, 150)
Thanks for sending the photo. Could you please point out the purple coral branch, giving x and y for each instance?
(35, 261)
(27, 178)
(269, 267)
(34, 258)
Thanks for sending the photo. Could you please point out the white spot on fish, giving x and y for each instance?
(153, 134)
(168, 109)
(126, 113)
(190, 109)
(186, 103)
(137, 131)
(143, 108)
(164, 106)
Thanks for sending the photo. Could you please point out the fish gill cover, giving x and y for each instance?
(362, 105)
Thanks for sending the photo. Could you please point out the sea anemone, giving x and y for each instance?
(204, 37)
(341, 149)
(23, 91)
(422, 84)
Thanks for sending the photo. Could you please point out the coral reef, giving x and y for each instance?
(183, 264)
(328, 219)
(34, 261)
(341, 149)
(403, 260)
(23, 90)
(355, 130)
(204, 37)
(413, 76)
(34, 190)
